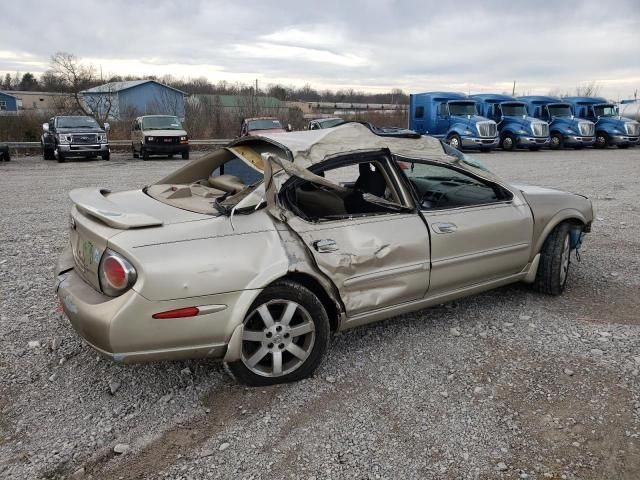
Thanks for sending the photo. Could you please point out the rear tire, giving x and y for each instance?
(557, 142)
(170, 155)
(285, 338)
(553, 269)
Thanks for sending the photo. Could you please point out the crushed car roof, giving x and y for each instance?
(314, 146)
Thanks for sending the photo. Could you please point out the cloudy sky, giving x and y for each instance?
(374, 45)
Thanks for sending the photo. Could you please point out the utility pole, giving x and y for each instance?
(513, 91)
(256, 90)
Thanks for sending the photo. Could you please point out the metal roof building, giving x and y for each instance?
(136, 97)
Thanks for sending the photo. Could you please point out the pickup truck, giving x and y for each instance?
(260, 125)
(74, 136)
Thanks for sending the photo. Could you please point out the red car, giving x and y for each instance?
(258, 125)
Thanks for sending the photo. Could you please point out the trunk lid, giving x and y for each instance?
(97, 216)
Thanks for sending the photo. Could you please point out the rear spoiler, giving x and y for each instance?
(92, 202)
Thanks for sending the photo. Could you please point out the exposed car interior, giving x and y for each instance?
(216, 181)
(367, 189)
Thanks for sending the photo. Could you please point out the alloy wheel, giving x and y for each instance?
(278, 337)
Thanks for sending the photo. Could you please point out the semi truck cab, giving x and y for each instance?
(565, 129)
(610, 127)
(454, 118)
(517, 129)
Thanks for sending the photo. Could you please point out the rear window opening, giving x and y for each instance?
(215, 183)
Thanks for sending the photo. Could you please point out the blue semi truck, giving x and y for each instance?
(565, 129)
(452, 117)
(516, 128)
(610, 127)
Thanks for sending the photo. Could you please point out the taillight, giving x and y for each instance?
(116, 274)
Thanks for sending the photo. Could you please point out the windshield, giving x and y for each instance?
(76, 122)
(460, 108)
(559, 110)
(161, 123)
(605, 111)
(332, 122)
(513, 109)
(264, 124)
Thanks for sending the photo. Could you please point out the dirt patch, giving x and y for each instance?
(188, 437)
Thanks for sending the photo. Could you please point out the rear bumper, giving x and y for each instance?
(84, 150)
(123, 329)
(166, 149)
(478, 142)
(574, 141)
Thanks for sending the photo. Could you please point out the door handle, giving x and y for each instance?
(444, 227)
(325, 246)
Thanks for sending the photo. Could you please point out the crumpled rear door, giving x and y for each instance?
(375, 261)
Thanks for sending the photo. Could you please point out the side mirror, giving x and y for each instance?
(45, 127)
(106, 126)
(289, 127)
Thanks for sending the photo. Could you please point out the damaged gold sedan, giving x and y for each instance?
(256, 252)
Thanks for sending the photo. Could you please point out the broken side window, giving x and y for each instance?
(349, 189)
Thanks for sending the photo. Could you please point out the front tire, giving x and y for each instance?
(58, 156)
(185, 155)
(557, 142)
(133, 151)
(286, 334)
(144, 154)
(106, 156)
(553, 268)
(602, 140)
(454, 141)
(508, 142)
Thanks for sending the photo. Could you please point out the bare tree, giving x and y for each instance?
(75, 76)
(588, 89)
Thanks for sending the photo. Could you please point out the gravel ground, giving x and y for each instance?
(507, 384)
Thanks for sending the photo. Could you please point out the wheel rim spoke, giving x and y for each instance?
(256, 357)
(252, 336)
(273, 348)
(288, 313)
(296, 351)
(265, 314)
(277, 363)
(301, 329)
